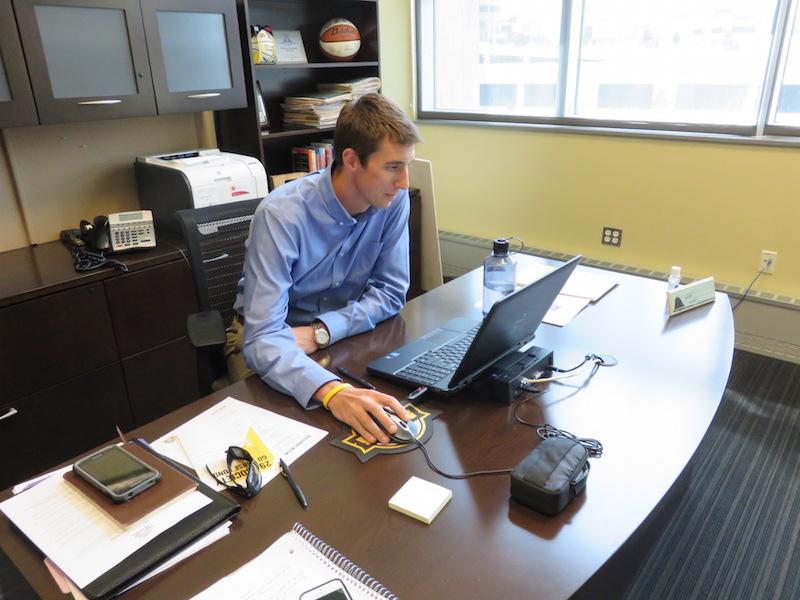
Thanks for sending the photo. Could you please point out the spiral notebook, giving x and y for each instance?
(298, 565)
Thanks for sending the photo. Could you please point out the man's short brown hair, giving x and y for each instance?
(364, 123)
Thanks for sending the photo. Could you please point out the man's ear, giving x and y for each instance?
(350, 159)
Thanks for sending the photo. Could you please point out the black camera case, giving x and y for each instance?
(551, 476)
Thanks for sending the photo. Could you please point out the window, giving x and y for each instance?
(725, 66)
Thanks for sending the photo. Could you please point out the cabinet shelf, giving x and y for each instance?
(289, 131)
(320, 65)
(239, 130)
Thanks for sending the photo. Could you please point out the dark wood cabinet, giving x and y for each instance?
(239, 130)
(61, 421)
(50, 339)
(87, 59)
(194, 54)
(16, 98)
(84, 353)
(103, 59)
(143, 314)
(161, 380)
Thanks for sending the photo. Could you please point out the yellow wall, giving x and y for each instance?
(52, 176)
(709, 207)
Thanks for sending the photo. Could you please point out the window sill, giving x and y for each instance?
(689, 136)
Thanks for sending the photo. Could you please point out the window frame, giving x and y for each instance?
(762, 131)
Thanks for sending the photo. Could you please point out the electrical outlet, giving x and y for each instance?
(612, 236)
(768, 260)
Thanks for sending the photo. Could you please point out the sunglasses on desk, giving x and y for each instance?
(252, 480)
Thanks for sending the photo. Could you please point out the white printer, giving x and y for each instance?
(196, 179)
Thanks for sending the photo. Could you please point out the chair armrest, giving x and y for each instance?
(205, 329)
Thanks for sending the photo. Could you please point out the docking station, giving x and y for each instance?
(502, 381)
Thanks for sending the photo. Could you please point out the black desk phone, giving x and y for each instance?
(115, 233)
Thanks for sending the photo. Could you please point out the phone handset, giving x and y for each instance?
(96, 234)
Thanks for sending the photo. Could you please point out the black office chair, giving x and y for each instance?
(215, 238)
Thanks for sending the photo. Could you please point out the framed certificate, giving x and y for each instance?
(289, 45)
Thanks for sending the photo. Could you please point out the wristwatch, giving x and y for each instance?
(321, 335)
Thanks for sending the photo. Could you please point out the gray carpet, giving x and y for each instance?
(734, 533)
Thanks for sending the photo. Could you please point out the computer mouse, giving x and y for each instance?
(406, 431)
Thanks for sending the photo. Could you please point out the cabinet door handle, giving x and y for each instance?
(9, 413)
(99, 102)
(206, 95)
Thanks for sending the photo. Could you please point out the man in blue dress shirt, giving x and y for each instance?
(327, 258)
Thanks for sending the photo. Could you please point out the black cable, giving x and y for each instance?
(89, 261)
(456, 475)
(545, 430)
(586, 359)
(593, 447)
(759, 274)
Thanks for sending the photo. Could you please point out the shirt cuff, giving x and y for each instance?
(311, 381)
(336, 324)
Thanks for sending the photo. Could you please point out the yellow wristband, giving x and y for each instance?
(335, 390)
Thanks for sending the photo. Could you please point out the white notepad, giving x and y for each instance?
(420, 499)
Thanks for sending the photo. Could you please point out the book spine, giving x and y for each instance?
(303, 160)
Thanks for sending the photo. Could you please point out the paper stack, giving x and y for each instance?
(420, 499)
(314, 109)
(356, 87)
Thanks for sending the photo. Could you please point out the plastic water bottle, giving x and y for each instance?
(674, 279)
(499, 274)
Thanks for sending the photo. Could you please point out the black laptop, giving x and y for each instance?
(452, 356)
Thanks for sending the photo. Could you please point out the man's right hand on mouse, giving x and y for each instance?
(353, 406)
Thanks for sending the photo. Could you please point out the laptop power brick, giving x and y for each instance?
(503, 380)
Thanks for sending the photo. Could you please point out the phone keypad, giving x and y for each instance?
(134, 236)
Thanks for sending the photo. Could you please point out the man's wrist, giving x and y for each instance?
(322, 337)
(328, 391)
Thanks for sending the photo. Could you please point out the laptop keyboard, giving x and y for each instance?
(435, 365)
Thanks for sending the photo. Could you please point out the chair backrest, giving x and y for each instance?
(420, 176)
(215, 237)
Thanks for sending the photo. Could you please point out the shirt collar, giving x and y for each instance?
(334, 206)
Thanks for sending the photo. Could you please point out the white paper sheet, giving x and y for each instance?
(583, 284)
(77, 536)
(562, 311)
(206, 437)
(66, 586)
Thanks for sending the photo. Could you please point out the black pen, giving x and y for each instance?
(362, 382)
(295, 488)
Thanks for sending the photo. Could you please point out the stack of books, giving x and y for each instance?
(356, 87)
(312, 157)
(315, 109)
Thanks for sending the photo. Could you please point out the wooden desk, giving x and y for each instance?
(664, 392)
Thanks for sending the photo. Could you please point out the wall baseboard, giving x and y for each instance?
(766, 323)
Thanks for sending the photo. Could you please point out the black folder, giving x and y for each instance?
(168, 543)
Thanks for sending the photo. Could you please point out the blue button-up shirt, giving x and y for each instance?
(307, 259)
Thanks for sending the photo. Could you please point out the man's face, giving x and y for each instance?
(385, 173)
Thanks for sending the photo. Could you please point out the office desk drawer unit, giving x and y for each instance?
(84, 353)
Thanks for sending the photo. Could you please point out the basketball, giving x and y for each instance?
(339, 40)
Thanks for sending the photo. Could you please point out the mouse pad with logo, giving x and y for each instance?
(352, 442)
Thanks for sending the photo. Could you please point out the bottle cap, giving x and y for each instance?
(676, 272)
(500, 246)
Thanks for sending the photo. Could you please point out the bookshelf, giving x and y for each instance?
(238, 130)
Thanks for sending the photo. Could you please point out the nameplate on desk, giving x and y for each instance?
(692, 295)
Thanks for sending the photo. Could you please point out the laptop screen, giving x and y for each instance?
(512, 322)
